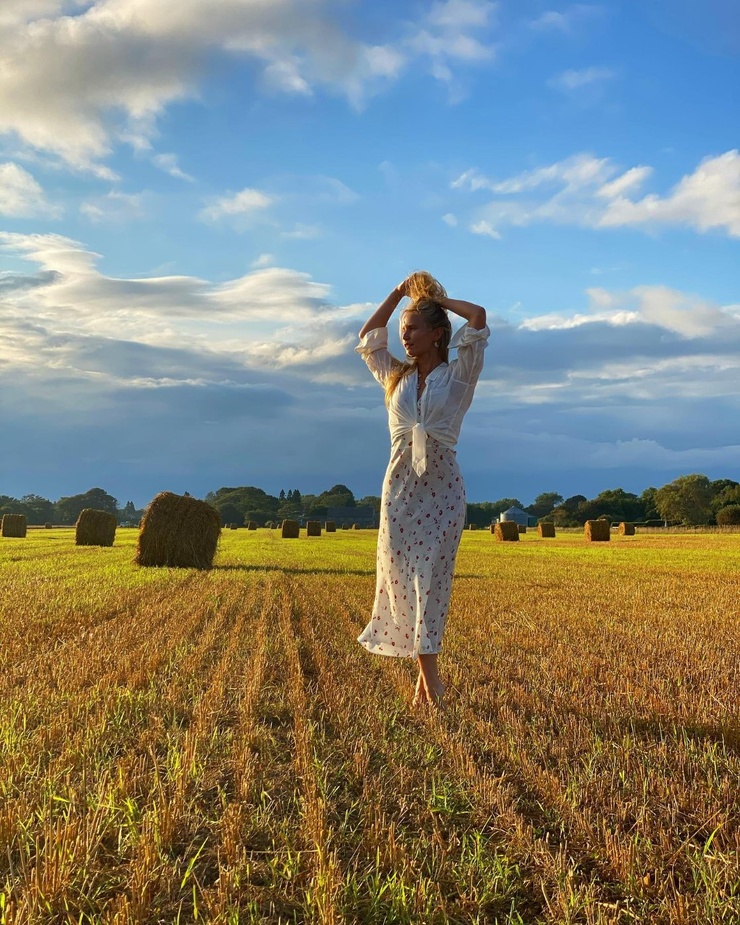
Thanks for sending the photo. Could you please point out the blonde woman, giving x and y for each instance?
(423, 501)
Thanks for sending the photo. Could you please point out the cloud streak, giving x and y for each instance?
(592, 192)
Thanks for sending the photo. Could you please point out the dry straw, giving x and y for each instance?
(546, 530)
(330, 526)
(291, 530)
(626, 529)
(355, 526)
(598, 531)
(14, 525)
(313, 528)
(506, 531)
(252, 525)
(178, 531)
(472, 526)
(95, 528)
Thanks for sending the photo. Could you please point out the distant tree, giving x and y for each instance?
(373, 501)
(336, 496)
(567, 513)
(727, 493)
(543, 504)
(230, 513)
(650, 505)
(281, 496)
(729, 515)
(615, 503)
(686, 500)
(67, 510)
(38, 510)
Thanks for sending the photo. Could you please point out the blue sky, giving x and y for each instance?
(201, 201)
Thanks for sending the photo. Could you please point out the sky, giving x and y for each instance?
(201, 201)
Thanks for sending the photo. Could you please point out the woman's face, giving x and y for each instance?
(416, 335)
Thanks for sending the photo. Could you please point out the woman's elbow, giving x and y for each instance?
(478, 318)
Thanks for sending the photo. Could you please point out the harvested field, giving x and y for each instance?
(181, 745)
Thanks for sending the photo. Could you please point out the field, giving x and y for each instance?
(178, 746)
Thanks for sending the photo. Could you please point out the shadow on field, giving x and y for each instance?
(292, 570)
(727, 736)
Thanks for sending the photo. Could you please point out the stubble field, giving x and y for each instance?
(178, 746)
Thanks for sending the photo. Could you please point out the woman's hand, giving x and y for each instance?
(403, 288)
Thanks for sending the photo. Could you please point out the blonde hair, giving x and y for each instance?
(425, 292)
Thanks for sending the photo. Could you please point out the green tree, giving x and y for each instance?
(544, 503)
(38, 510)
(687, 500)
(729, 515)
(68, 509)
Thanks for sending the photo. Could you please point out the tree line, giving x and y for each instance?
(690, 500)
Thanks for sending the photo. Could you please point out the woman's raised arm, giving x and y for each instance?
(381, 315)
(475, 315)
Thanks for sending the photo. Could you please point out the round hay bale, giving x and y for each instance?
(506, 531)
(598, 531)
(313, 528)
(14, 525)
(546, 530)
(251, 525)
(345, 526)
(626, 529)
(49, 526)
(291, 530)
(233, 527)
(330, 526)
(178, 531)
(521, 528)
(95, 528)
(472, 526)
(356, 526)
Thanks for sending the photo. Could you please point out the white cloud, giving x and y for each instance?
(115, 208)
(168, 163)
(567, 20)
(450, 219)
(244, 203)
(78, 85)
(574, 80)
(264, 260)
(301, 232)
(593, 192)
(484, 228)
(708, 198)
(21, 196)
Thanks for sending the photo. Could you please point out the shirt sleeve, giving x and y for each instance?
(470, 344)
(373, 348)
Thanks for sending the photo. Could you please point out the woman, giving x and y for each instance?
(423, 504)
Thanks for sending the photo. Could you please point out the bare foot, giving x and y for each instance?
(420, 694)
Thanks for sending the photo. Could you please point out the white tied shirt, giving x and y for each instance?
(446, 397)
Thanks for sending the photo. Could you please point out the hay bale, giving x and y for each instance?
(598, 531)
(521, 528)
(506, 531)
(14, 525)
(178, 531)
(356, 527)
(233, 527)
(472, 526)
(291, 530)
(313, 528)
(49, 526)
(330, 526)
(251, 525)
(626, 529)
(95, 528)
(345, 526)
(546, 530)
